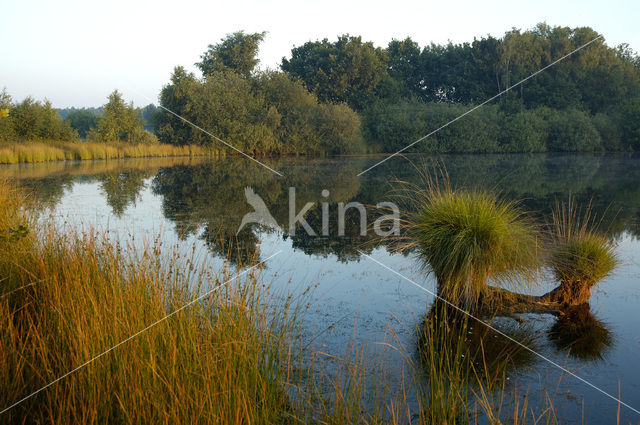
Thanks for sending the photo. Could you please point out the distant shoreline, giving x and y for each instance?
(37, 152)
(41, 152)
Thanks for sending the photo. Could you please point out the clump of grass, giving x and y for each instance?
(585, 258)
(580, 257)
(469, 237)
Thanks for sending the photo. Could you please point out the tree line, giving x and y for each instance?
(386, 98)
(32, 120)
(349, 96)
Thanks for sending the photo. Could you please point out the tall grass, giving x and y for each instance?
(63, 168)
(469, 237)
(13, 153)
(67, 298)
(579, 253)
(467, 366)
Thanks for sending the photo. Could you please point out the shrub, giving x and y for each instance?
(609, 132)
(525, 131)
(572, 131)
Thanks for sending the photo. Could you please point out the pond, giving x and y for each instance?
(355, 300)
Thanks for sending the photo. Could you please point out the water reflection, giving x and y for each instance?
(490, 353)
(122, 188)
(210, 195)
(581, 334)
(200, 195)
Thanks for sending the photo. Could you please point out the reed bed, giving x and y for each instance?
(14, 153)
(66, 298)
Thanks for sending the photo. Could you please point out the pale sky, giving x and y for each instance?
(76, 52)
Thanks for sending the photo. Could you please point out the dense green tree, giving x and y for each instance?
(305, 125)
(269, 113)
(147, 114)
(224, 104)
(34, 120)
(82, 121)
(404, 65)
(237, 52)
(630, 123)
(591, 79)
(121, 122)
(6, 125)
(175, 97)
(348, 70)
(292, 109)
(338, 128)
(64, 112)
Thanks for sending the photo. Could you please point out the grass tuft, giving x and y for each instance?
(579, 254)
(469, 237)
(586, 258)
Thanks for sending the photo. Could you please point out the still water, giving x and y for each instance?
(354, 300)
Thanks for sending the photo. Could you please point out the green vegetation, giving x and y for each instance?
(32, 131)
(120, 123)
(66, 298)
(31, 120)
(469, 238)
(348, 70)
(237, 52)
(81, 120)
(580, 257)
(466, 364)
(392, 126)
(273, 114)
(588, 258)
(391, 97)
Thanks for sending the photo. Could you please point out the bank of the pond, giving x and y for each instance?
(29, 152)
